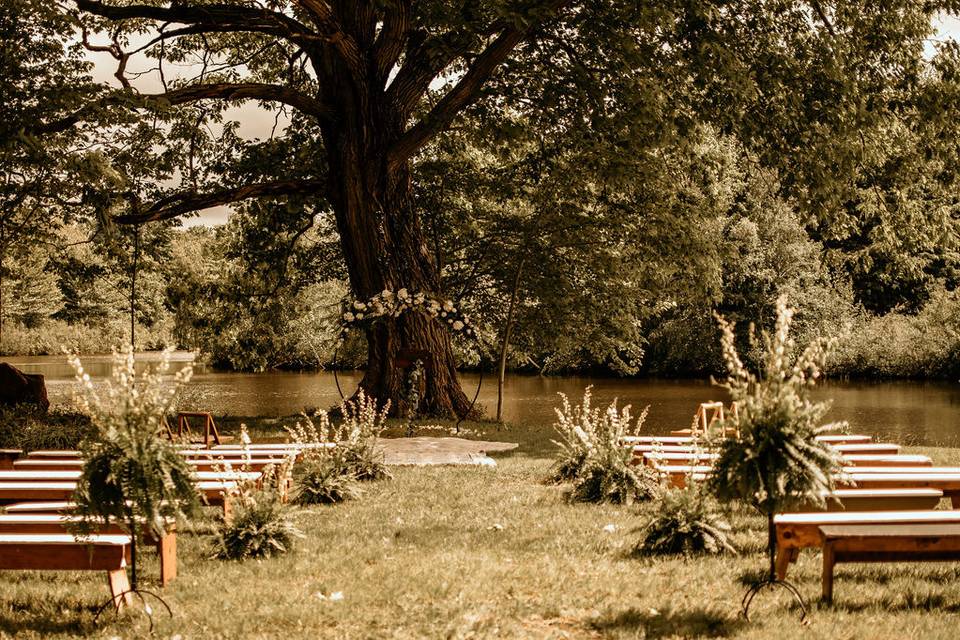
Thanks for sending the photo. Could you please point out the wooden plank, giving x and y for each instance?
(901, 470)
(874, 448)
(841, 438)
(874, 460)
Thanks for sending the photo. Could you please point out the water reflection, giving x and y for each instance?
(908, 412)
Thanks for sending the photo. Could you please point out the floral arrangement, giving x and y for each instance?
(388, 303)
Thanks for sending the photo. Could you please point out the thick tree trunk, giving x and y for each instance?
(385, 248)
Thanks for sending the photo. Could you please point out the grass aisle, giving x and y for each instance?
(467, 552)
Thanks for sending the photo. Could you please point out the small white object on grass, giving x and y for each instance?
(610, 528)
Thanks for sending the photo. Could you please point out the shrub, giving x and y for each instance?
(684, 522)
(261, 527)
(593, 455)
(27, 427)
(132, 476)
(776, 462)
(356, 451)
(322, 479)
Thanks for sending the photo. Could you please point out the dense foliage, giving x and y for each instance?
(684, 522)
(656, 163)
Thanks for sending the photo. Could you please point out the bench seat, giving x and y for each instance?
(63, 552)
(875, 448)
(915, 542)
(949, 483)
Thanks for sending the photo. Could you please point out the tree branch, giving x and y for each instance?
(330, 28)
(245, 91)
(215, 17)
(183, 202)
(392, 38)
(467, 90)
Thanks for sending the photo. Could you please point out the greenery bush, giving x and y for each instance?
(261, 527)
(684, 522)
(27, 427)
(132, 476)
(322, 479)
(51, 336)
(356, 452)
(593, 457)
(776, 462)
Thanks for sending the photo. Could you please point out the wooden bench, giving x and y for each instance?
(63, 552)
(216, 493)
(874, 460)
(909, 470)
(7, 456)
(885, 543)
(57, 523)
(655, 459)
(949, 483)
(843, 438)
(74, 475)
(200, 464)
(797, 531)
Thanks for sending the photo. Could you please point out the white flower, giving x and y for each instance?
(448, 305)
(359, 305)
(457, 326)
(386, 293)
(402, 293)
(359, 316)
(348, 317)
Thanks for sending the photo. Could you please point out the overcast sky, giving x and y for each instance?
(257, 123)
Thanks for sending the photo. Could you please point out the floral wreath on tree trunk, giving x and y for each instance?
(356, 314)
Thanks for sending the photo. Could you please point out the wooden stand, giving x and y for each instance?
(209, 427)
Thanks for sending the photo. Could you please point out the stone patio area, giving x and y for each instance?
(422, 451)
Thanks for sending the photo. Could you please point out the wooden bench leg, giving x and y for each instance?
(119, 588)
(227, 508)
(829, 560)
(167, 548)
(784, 557)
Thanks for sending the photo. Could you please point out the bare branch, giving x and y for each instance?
(245, 91)
(210, 18)
(183, 202)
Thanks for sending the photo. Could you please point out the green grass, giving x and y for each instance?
(477, 553)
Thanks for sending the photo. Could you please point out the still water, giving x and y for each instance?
(907, 412)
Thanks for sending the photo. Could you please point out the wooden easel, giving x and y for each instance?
(707, 416)
(209, 427)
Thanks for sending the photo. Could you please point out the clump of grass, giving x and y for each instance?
(593, 455)
(686, 522)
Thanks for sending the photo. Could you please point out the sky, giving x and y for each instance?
(256, 122)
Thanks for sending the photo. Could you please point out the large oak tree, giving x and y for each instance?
(368, 83)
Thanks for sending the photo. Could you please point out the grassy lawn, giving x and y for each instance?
(476, 553)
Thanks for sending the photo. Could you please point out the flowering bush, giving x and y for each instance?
(355, 437)
(389, 304)
(132, 475)
(593, 455)
(776, 462)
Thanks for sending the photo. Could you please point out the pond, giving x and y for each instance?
(921, 413)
